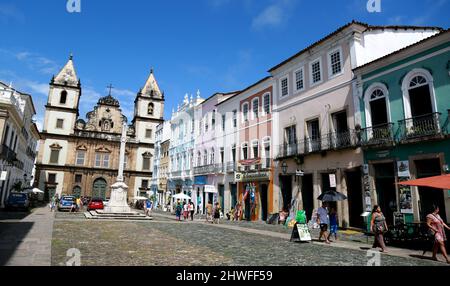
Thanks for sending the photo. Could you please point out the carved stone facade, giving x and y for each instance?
(81, 156)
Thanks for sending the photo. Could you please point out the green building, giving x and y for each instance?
(404, 101)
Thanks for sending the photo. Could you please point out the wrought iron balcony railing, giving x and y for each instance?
(7, 154)
(220, 168)
(380, 135)
(419, 127)
(330, 141)
(207, 169)
(231, 167)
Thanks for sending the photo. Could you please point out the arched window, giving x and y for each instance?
(199, 159)
(151, 108)
(255, 149)
(377, 105)
(255, 107)
(63, 97)
(213, 155)
(245, 111)
(245, 151)
(418, 94)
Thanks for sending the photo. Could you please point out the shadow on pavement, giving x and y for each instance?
(11, 236)
(13, 215)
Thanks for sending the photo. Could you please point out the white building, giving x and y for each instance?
(19, 136)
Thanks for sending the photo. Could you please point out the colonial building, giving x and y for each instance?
(405, 104)
(210, 159)
(18, 136)
(81, 156)
(184, 129)
(315, 116)
(161, 162)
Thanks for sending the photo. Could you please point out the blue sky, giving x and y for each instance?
(211, 45)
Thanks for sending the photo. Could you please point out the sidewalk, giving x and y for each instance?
(282, 233)
(27, 241)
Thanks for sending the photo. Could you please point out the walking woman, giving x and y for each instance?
(379, 227)
(437, 225)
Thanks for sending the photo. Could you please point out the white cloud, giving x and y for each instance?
(33, 61)
(273, 15)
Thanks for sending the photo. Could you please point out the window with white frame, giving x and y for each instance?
(199, 159)
(205, 158)
(245, 151)
(266, 102)
(255, 105)
(284, 87)
(300, 79)
(213, 155)
(255, 149)
(335, 62)
(234, 118)
(223, 122)
(80, 158)
(316, 71)
(245, 111)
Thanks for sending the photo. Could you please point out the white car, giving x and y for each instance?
(105, 202)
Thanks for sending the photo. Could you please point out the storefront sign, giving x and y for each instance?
(405, 198)
(200, 180)
(383, 154)
(332, 181)
(238, 177)
(252, 177)
(3, 175)
(303, 232)
(403, 169)
(210, 189)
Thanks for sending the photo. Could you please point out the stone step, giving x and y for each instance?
(119, 216)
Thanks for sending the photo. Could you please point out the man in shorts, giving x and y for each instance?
(323, 220)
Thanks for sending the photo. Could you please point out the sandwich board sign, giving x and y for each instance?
(300, 233)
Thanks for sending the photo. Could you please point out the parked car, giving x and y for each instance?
(66, 203)
(18, 201)
(95, 204)
(106, 202)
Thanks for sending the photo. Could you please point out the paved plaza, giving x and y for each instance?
(45, 238)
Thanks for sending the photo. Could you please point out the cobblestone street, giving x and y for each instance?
(166, 242)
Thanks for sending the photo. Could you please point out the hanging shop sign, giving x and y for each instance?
(200, 180)
(405, 197)
(332, 180)
(403, 169)
(3, 175)
(252, 177)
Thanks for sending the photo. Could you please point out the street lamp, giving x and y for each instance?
(284, 167)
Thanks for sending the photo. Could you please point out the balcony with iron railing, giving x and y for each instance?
(420, 127)
(329, 141)
(380, 135)
(7, 154)
(204, 170)
(220, 168)
(231, 167)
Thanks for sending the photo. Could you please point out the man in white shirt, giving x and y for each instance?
(323, 220)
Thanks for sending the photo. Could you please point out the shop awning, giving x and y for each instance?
(438, 182)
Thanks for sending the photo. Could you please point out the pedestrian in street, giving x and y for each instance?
(437, 225)
(78, 202)
(148, 207)
(333, 224)
(323, 221)
(378, 226)
(185, 211)
(237, 212)
(209, 209)
(53, 204)
(192, 210)
(178, 210)
(216, 213)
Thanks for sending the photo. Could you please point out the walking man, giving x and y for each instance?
(323, 221)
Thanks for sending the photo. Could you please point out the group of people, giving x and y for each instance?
(184, 209)
(435, 224)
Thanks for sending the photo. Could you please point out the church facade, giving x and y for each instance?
(81, 156)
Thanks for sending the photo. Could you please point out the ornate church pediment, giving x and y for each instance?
(56, 146)
(81, 148)
(102, 149)
(147, 155)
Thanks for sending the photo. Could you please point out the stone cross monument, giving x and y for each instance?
(119, 191)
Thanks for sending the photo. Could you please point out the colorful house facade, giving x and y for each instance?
(404, 101)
